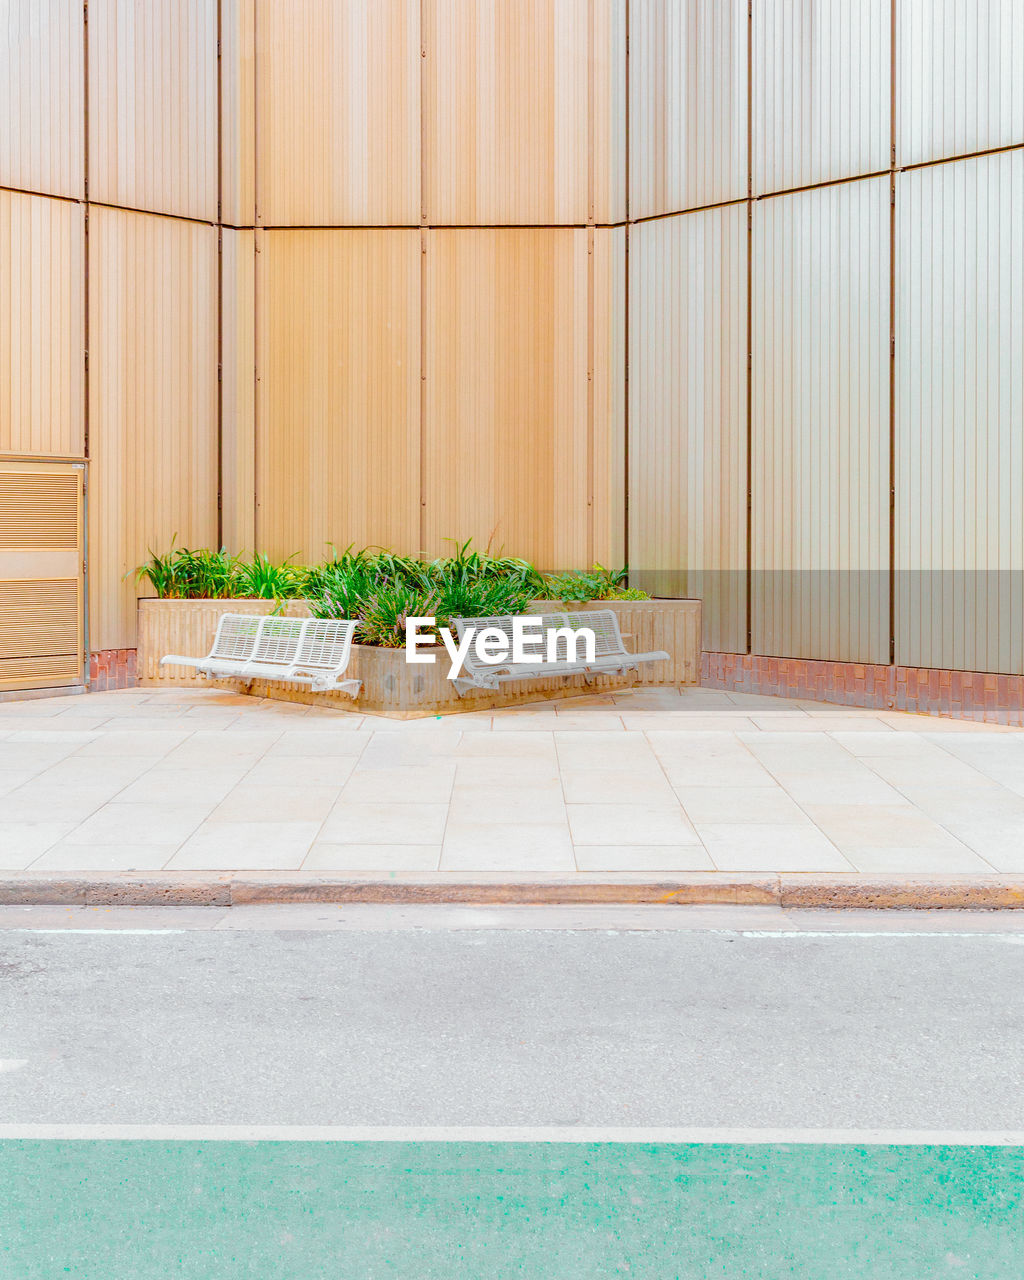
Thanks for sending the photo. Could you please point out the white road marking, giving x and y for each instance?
(69, 930)
(12, 1064)
(513, 1133)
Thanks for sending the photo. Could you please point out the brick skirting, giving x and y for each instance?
(112, 669)
(967, 695)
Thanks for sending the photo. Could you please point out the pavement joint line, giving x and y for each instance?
(510, 1133)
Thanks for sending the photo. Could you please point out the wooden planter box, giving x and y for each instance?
(395, 688)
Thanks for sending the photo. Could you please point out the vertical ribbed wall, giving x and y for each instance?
(820, 424)
(960, 415)
(960, 77)
(821, 91)
(152, 403)
(337, 404)
(688, 104)
(338, 112)
(153, 105)
(421, 218)
(42, 99)
(42, 326)
(688, 414)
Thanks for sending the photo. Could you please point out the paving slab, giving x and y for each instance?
(636, 786)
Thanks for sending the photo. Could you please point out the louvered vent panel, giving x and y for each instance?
(39, 618)
(38, 512)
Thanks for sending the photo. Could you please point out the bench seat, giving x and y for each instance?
(313, 651)
(610, 654)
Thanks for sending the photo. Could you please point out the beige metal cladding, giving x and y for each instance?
(238, 112)
(506, 107)
(960, 415)
(959, 77)
(607, 406)
(688, 414)
(508, 430)
(42, 100)
(820, 424)
(41, 566)
(153, 105)
(688, 104)
(152, 403)
(821, 91)
(339, 390)
(42, 326)
(338, 102)
(238, 390)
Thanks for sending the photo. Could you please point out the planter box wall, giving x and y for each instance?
(393, 687)
(647, 625)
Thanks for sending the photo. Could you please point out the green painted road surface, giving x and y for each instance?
(143, 1210)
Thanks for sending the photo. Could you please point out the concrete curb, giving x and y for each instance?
(233, 888)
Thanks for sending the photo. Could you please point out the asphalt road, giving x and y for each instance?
(304, 1092)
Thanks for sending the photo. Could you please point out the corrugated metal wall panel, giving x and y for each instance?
(42, 326)
(506, 428)
(338, 103)
(820, 413)
(688, 113)
(608, 111)
(506, 111)
(608, 412)
(688, 414)
(152, 403)
(238, 390)
(42, 102)
(960, 415)
(238, 112)
(959, 77)
(153, 105)
(821, 92)
(338, 350)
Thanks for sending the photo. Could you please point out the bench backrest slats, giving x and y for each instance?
(325, 645)
(603, 622)
(605, 625)
(278, 641)
(236, 636)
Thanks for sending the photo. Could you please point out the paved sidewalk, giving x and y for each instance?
(651, 781)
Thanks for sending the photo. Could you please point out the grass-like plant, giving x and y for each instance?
(379, 587)
(598, 583)
(184, 574)
(260, 579)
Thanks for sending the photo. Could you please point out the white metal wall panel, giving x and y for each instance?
(959, 77)
(688, 414)
(42, 98)
(688, 108)
(821, 91)
(820, 419)
(960, 415)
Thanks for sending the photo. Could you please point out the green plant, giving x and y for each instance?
(598, 583)
(384, 612)
(260, 579)
(184, 574)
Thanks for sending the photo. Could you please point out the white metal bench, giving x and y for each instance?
(313, 651)
(610, 654)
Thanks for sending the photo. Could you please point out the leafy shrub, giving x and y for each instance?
(259, 579)
(597, 584)
(183, 574)
(380, 588)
